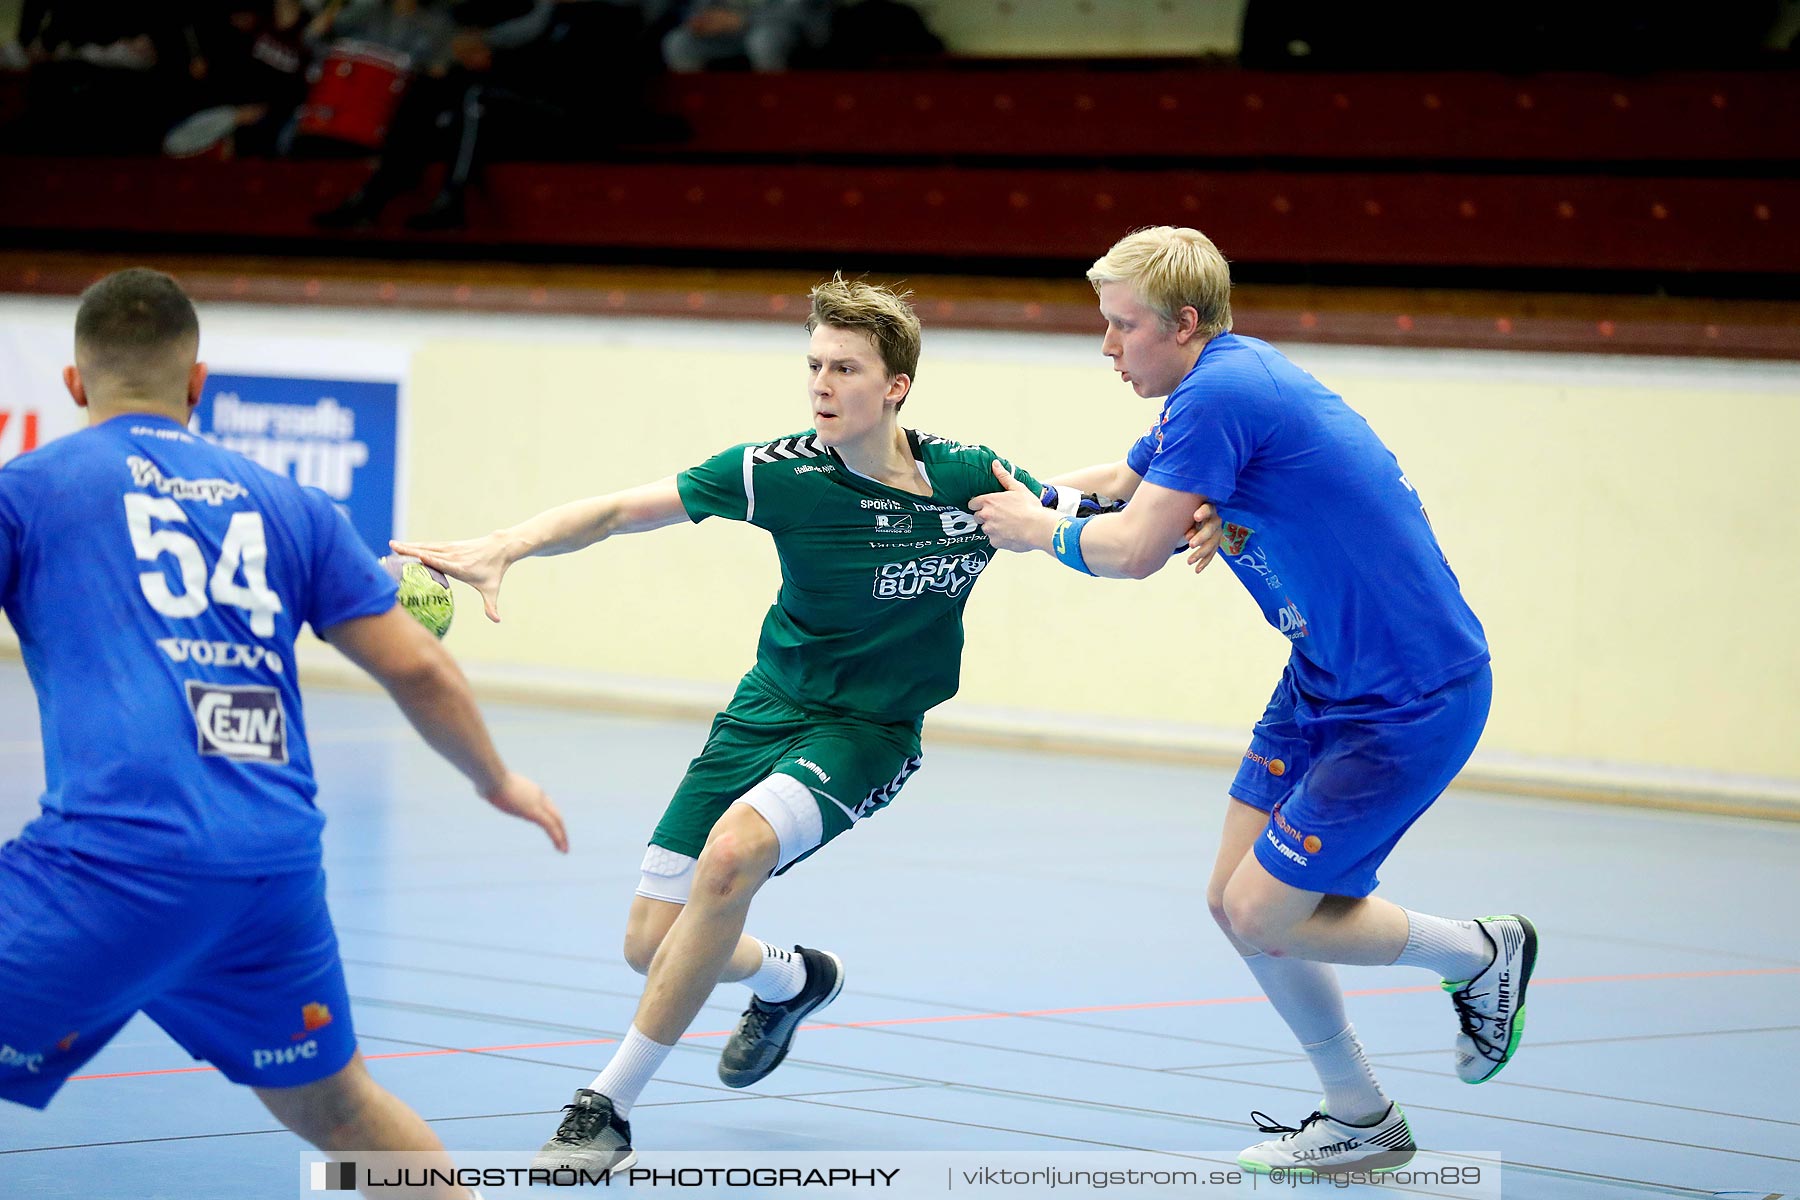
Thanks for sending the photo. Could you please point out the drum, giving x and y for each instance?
(354, 94)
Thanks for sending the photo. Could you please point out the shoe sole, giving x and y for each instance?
(623, 1164)
(789, 1044)
(1377, 1164)
(1517, 1029)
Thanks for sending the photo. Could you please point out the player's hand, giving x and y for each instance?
(479, 562)
(522, 798)
(1204, 537)
(1014, 519)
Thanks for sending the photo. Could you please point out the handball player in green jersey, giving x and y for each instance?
(878, 556)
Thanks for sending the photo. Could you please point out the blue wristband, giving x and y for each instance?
(1065, 543)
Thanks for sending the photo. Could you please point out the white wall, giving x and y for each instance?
(1622, 526)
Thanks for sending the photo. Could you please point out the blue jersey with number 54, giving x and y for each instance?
(157, 584)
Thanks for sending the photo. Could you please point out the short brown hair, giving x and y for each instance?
(1171, 268)
(880, 313)
(133, 323)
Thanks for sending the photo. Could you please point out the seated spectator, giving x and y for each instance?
(421, 30)
(767, 32)
(107, 76)
(379, 79)
(251, 60)
(530, 78)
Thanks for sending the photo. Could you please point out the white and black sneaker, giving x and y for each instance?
(766, 1030)
(592, 1138)
(1324, 1145)
(1491, 1006)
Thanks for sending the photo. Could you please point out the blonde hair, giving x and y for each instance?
(1171, 268)
(880, 313)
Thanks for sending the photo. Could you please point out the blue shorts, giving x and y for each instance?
(243, 972)
(1343, 782)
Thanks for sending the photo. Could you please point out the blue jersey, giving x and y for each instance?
(1321, 526)
(157, 584)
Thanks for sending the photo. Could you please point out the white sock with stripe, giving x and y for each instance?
(781, 976)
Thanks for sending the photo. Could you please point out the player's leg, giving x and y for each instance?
(349, 1111)
(1370, 778)
(825, 784)
(699, 844)
(699, 945)
(1302, 894)
(653, 914)
(740, 854)
(1306, 995)
(266, 1004)
(80, 946)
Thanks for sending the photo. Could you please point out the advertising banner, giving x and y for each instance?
(340, 436)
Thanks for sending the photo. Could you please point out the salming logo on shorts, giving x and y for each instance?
(245, 724)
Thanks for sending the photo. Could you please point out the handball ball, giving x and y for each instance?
(424, 592)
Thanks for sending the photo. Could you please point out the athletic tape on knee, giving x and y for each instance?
(789, 808)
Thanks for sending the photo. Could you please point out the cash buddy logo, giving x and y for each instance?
(951, 574)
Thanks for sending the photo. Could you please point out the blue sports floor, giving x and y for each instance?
(1029, 966)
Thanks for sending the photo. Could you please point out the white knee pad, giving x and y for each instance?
(666, 875)
(781, 800)
(789, 808)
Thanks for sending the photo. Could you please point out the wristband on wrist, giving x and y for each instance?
(1065, 543)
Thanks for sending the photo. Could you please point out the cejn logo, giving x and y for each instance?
(245, 724)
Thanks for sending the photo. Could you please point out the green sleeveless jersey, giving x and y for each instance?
(868, 622)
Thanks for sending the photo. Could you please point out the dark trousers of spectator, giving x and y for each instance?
(575, 93)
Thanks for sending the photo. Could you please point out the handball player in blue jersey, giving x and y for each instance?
(157, 584)
(1384, 696)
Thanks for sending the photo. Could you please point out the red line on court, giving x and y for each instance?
(1647, 977)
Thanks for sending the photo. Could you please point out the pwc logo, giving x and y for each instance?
(30, 1063)
(313, 1016)
(285, 1056)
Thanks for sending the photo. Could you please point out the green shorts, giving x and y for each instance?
(852, 767)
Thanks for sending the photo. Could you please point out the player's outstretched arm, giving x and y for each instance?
(482, 562)
(1114, 480)
(1130, 544)
(430, 689)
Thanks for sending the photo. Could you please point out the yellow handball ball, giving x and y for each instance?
(424, 592)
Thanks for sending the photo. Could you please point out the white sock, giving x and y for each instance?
(1352, 1094)
(781, 976)
(1456, 950)
(1304, 993)
(1306, 996)
(633, 1065)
